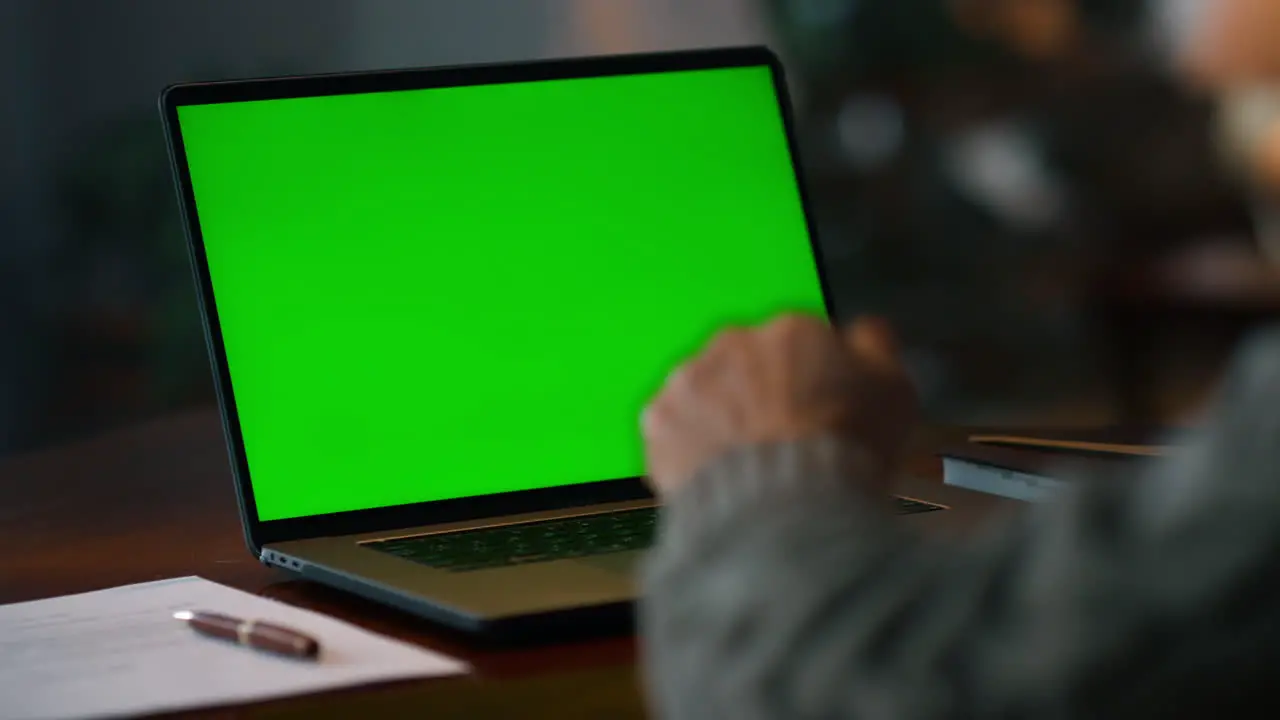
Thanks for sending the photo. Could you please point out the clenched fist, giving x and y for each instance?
(794, 378)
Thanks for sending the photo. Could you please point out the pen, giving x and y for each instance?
(251, 633)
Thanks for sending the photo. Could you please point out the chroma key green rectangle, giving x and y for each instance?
(451, 292)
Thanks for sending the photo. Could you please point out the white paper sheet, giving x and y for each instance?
(120, 652)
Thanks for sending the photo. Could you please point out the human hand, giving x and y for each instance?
(794, 378)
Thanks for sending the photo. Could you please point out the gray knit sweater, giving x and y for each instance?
(779, 590)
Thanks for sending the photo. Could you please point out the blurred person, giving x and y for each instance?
(1228, 43)
(1234, 52)
(782, 586)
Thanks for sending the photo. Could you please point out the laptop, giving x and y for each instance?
(436, 302)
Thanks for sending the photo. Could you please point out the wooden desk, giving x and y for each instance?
(1219, 290)
(157, 501)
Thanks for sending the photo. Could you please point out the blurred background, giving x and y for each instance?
(1063, 204)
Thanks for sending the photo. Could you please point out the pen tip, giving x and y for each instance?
(183, 615)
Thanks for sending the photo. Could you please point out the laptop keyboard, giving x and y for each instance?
(547, 540)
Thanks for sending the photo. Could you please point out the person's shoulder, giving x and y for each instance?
(1254, 374)
(1261, 349)
(1268, 337)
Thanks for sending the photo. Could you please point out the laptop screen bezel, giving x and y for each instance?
(259, 533)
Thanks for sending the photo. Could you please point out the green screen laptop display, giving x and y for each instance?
(445, 293)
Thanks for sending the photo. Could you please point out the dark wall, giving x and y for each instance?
(98, 323)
